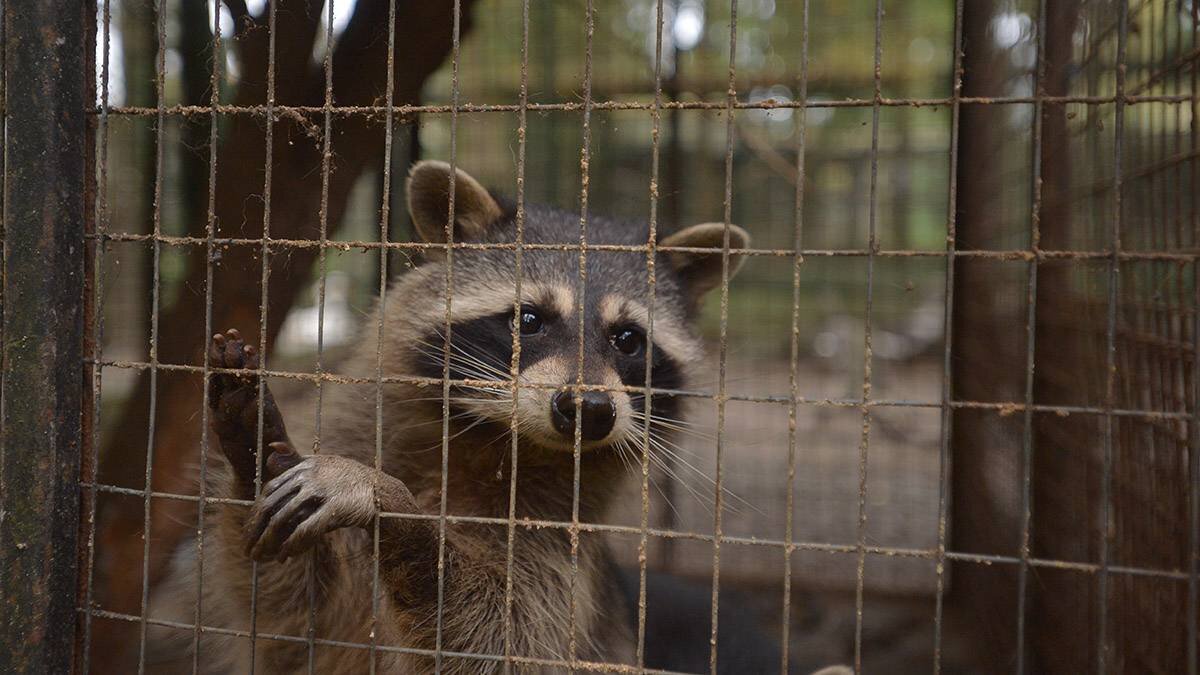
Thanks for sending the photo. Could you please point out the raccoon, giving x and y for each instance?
(444, 593)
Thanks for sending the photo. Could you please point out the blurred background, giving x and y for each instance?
(882, 160)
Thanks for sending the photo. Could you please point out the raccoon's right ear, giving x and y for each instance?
(701, 270)
(429, 203)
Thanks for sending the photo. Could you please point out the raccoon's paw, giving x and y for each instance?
(233, 400)
(320, 494)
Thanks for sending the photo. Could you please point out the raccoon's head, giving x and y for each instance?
(601, 338)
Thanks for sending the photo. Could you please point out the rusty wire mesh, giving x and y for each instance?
(1090, 514)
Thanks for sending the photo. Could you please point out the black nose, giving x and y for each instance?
(599, 414)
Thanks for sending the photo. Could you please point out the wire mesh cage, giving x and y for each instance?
(942, 418)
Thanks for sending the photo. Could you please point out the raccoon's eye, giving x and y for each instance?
(531, 321)
(628, 341)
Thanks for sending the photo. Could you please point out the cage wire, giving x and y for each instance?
(954, 390)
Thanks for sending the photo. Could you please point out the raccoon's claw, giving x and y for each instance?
(317, 495)
(282, 457)
(233, 400)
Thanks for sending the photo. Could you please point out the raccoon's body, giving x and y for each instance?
(453, 591)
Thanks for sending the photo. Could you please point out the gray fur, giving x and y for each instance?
(335, 544)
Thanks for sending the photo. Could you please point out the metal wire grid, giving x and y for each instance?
(1150, 332)
(1113, 409)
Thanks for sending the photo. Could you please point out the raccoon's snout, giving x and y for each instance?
(598, 417)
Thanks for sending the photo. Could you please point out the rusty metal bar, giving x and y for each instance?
(723, 335)
(652, 292)
(585, 159)
(947, 411)
(310, 579)
(1031, 283)
(90, 462)
(770, 104)
(864, 445)
(1177, 575)
(515, 364)
(1110, 351)
(1193, 600)
(385, 204)
(801, 129)
(1185, 255)
(1003, 408)
(1193, 612)
(588, 666)
(455, 55)
(268, 169)
(210, 228)
(155, 289)
(42, 351)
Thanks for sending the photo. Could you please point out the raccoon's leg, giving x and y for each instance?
(233, 399)
(281, 595)
(323, 493)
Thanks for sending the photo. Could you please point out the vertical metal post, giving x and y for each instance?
(42, 388)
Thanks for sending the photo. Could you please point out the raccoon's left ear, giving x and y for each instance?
(429, 203)
(702, 271)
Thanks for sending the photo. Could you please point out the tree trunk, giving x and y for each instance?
(423, 39)
(988, 363)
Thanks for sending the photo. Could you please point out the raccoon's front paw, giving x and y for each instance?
(233, 400)
(320, 494)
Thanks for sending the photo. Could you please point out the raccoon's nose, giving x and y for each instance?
(598, 417)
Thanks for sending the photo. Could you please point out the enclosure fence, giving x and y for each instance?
(1068, 505)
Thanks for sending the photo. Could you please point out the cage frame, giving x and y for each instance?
(73, 235)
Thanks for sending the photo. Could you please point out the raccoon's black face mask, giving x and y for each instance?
(576, 330)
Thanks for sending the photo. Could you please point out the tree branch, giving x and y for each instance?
(238, 10)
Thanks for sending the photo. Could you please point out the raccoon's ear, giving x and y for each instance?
(429, 203)
(702, 271)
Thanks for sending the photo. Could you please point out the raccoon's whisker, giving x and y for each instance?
(676, 447)
(497, 395)
(488, 358)
(622, 450)
(661, 445)
(502, 434)
(472, 425)
(484, 387)
(470, 366)
(704, 498)
(429, 422)
(713, 382)
(395, 432)
(632, 460)
(458, 399)
(691, 433)
(674, 420)
(672, 425)
(471, 371)
(681, 449)
(464, 358)
(459, 345)
(676, 423)
(483, 366)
